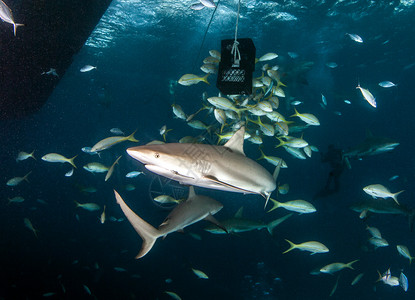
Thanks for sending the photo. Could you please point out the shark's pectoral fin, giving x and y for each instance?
(192, 193)
(211, 219)
(266, 195)
(217, 181)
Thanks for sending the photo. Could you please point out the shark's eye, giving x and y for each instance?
(156, 155)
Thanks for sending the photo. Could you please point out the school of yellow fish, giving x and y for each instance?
(219, 117)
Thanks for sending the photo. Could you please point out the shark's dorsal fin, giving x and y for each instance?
(238, 214)
(368, 133)
(192, 193)
(236, 142)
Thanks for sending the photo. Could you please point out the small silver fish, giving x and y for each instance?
(129, 187)
(357, 279)
(166, 199)
(24, 155)
(69, 173)
(296, 102)
(134, 174)
(87, 68)
(208, 3)
(29, 225)
(197, 6)
(117, 131)
(355, 37)
(331, 65)
(323, 100)
(88, 206)
(387, 84)
(89, 150)
(200, 274)
(376, 242)
(178, 111)
(403, 282)
(367, 95)
(103, 217)
(16, 180)
(87, 290)
(173, 295)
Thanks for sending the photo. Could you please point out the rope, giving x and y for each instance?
(204, 36)
(235, 50)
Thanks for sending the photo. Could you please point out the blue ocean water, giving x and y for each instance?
(141, 49)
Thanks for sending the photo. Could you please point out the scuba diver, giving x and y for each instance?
(337, 162)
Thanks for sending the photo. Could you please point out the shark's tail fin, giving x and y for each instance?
(271, 226)
(275, 176)
(148, 233)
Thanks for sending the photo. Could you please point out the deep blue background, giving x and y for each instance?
(151, 44)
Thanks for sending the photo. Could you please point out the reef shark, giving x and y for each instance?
(211, 166)
(194, 209)
(238, 224)
(383, 206)
(371, 146)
